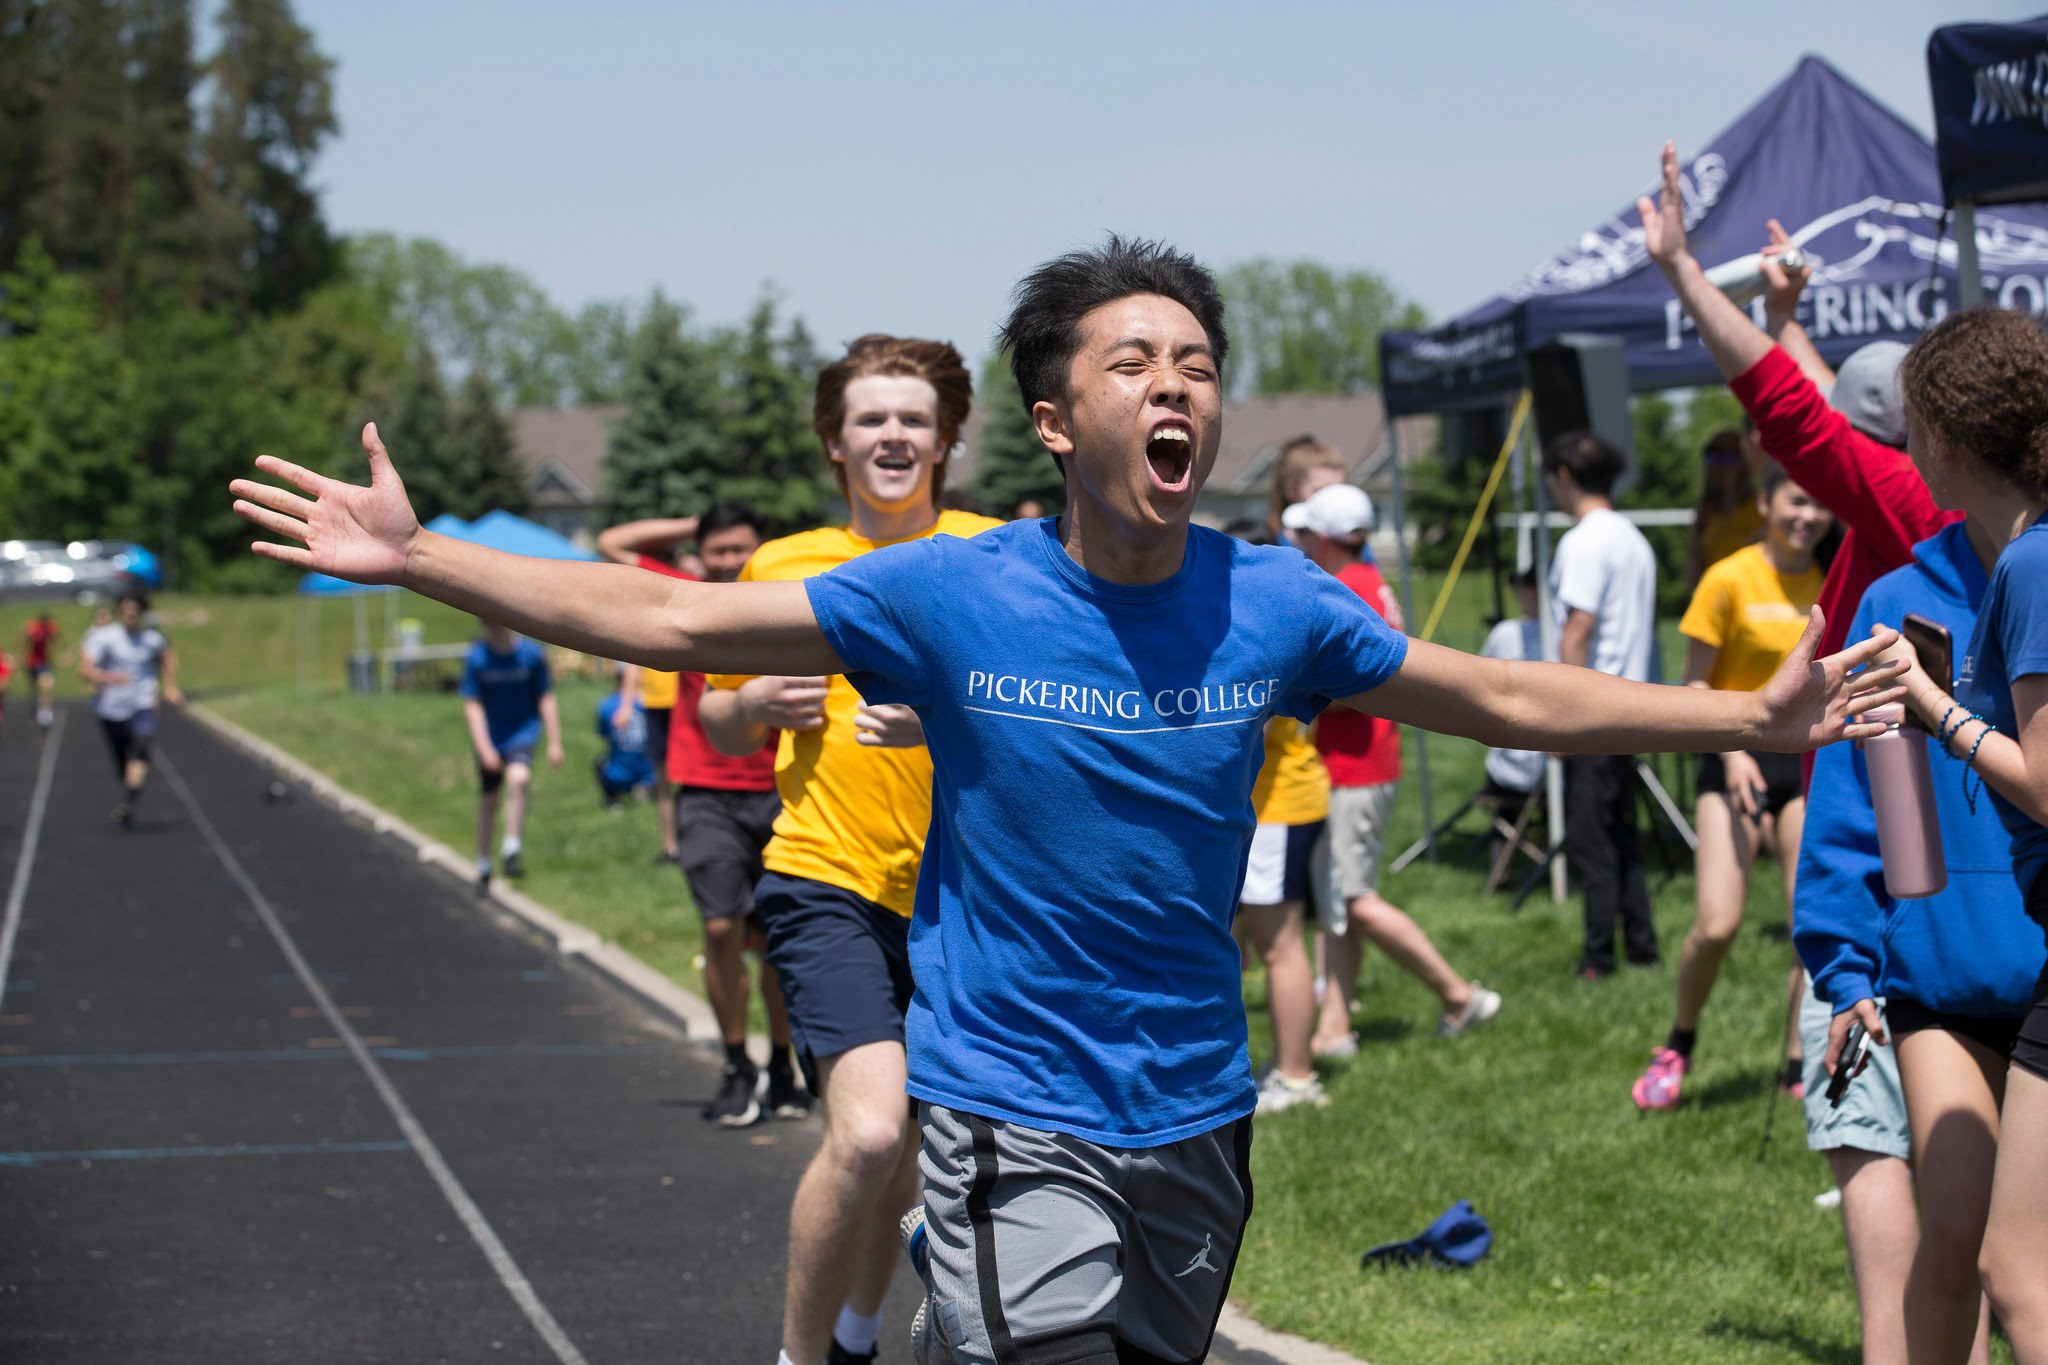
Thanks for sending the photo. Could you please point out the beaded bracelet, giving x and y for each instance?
(1941, 726)
(1944, 732)
(1970, 764)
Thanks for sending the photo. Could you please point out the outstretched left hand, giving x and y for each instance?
(1810, 702)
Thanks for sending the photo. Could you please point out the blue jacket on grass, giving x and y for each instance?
(1971, 950)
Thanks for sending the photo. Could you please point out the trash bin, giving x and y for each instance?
(362, 671)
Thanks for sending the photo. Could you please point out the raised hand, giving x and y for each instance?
(364, 534)
(1782, 287)
(1810, 702)
(1664, 220)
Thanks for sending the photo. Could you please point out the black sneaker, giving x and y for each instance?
(515, 865)
(839, 1355)
(483, 882)
(123, 816)
(735, 1106)
(787, 1099)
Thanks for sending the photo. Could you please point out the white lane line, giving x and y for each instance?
(32, 836)
(487, 1240)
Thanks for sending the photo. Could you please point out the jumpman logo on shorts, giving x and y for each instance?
(1201, 1261)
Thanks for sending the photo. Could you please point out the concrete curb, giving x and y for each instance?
(571, 940)
(1244, 1337)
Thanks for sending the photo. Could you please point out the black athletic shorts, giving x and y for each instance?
(1998, 1036)
(1782, 785)
(487, 781)
(844, 962)
(129, 739)
(2031, 1051)
(719, 838)
(657, 740)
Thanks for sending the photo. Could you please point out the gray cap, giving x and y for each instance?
(1867, 392)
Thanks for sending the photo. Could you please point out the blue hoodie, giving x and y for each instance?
(1971, 950)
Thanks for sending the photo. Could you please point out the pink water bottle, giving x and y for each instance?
(1902, 791)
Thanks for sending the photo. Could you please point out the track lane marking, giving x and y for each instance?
(31, 838)
(167, 1153)
(472, 1217)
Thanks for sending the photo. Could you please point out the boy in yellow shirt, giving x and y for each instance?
(856, 785)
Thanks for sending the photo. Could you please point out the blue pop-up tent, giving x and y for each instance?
(516, 535)
(1855, 185)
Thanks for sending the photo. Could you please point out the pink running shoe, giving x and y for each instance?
(1657, 1087)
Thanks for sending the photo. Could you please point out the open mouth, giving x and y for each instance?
(1171, 454)
(895, 464)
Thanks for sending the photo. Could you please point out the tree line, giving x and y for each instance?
(173, 302)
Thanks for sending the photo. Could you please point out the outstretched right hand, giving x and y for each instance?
(1664, 220)
(363, 534)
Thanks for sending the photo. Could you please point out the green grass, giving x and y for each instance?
(1618, 1236)
(232, 643)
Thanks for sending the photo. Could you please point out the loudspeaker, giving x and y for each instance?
(1579, 382)
(1472, 434)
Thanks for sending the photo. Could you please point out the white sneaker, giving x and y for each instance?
(1276, 1093)
(1483, 1005)
(1347, 1046)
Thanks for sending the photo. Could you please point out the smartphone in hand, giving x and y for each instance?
(1855, 1056)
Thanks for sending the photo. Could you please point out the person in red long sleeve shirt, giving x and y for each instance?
(1854, 462)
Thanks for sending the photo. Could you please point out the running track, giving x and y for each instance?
(272, 1091)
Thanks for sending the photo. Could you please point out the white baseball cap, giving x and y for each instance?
(1338, 510)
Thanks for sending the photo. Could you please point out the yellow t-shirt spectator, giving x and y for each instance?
(1293, 788)
(853, 816)
(1752, 614)
(657, 690)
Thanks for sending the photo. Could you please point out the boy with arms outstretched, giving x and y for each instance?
(1094, 691)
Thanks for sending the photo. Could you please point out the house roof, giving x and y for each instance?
(567, 443)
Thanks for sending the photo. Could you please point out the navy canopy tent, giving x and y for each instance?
(1856, 187)
(1990, 84)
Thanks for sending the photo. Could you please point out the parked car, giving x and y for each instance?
(83, 571)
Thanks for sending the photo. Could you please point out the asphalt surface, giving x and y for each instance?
(197, 1168)
(270, 1090)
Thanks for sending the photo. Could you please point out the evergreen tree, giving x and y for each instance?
(157, 228)
(271, 108)
(767, 456)
(482, 475)
(1011, 463)
(663, 457)
(416, 427)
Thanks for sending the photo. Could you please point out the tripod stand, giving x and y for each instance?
(1511, 813)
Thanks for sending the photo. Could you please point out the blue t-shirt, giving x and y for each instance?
(510, 687)
(2011, 641)
(1093, 752)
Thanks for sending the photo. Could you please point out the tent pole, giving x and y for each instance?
(1546, 625)
(1969, 274)
(1400, 511)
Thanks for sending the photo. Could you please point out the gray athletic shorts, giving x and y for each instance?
(1872, 1115)
(1357, 835)
(1046, 1247)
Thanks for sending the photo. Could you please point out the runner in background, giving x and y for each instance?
(725, 815)
(652, 544)
(1746, 615)
(842, 868)
(131, 667)
(42, 634)
(6, 676)
(1363, 756)
(507, 701)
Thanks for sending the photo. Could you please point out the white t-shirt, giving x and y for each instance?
(1604, 566)
(1516, 769)
(111, 649)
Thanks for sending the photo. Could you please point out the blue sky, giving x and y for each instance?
(896, 167)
